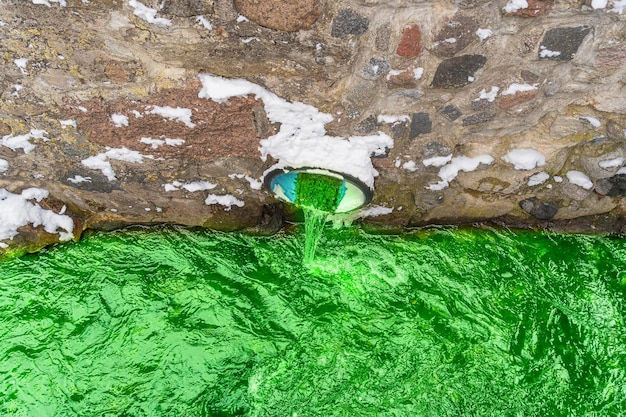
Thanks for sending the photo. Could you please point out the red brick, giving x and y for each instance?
(518, 98)
(410, 45)
(535, 8)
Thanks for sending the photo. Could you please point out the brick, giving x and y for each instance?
(410, 44)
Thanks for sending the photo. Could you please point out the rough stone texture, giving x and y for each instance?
(458, 71)
(348, 22)
(455, 35)
(542, 210)
(82, 63)
(561, 44)
(410, 44)
(289, 16)
(535, 8)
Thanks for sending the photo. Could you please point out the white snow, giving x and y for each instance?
(621, 171)
(174, 113)
(78, 179)
(611, 163)
(136, 114)
(484, 33)
(254, 183)
(374, 211)
(410, 166)
(101, 160)
(62, 3)
(190, 186)
(489, 96)
(514, 5)
(242, 18)
(525, 159)
(516, 87)
(450, 40)
(417, 73)
(580, 179)
(537, 179)
(155, 143)
(4, 165)
(463, 163)
(546, 53)
(148, 14)
(599, 4)
(2, 23)
(250, 39)
(302, 140)
(226, 200)
(204, 22)
(594, 121)
(119, 120)
(21, 64)
(22, 141)
(66, 123)
(16, 211)
(391, 119)
(437, 161)
(558, 178)
(618, 6)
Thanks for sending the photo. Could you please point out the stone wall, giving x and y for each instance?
(508, 112)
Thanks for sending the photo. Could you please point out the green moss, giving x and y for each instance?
(318, 192)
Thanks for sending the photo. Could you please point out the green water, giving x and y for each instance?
(436, 323)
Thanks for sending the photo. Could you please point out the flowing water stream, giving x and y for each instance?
(441, 322)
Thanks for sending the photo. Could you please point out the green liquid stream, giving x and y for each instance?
(436, 323)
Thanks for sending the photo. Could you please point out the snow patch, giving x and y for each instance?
(226, 200)
(525, 159)
(437, 161)
(514, 5)
(241, 19)
(190, 186)
(204, 22)
(254, 183)
(618, 6)
(22, 141)
(611, 163)
(67, 123)
(391, 119)
(62, 3)
(155, 143)
(4, 166)
(489, 96)
(21, 64)
(174, 113)
(546, 53)
(451, 170)
(148, 14)
(410, 166)
(580, 179)
(484, 33)
(302, 140)
(119, 120)
(599, 4)
(374, 211)
(78, 179)
(518, 88)
(17, 211)
(101, 160)
(417, 73)
(621, 171)
(537, 179)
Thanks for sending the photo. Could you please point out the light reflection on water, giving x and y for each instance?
(436, 323)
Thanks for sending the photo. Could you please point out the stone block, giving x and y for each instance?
(561, 44)
(456, 35)
(420, 125)
(478, 118)
(367, 125)
(410, 44)
(533, 9)
(520, 97)
(288, 16)
(612, 187)
(451, 111)
(481, 104)
(383, 33)
(348, 22)
(375, 68)
(458, 71)
(542, 210)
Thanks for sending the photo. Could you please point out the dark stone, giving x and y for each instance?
(348, 22)
(542, 210)
(367, 125)
(420, 125)
(410, 93)
(481, 104)
(529, 76)
(383, 34)
(97, 181)
(432, 149)
(376, 68)
(455, 36)
(451, 111)
(478, 118)
(399, 130)
(612, 187)
(455, 72)
(563, 40)
(187, 8)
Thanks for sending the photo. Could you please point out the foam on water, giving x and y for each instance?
(171, 322)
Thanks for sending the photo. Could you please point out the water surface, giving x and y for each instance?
(172, 322)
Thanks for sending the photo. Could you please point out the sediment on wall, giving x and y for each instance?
(501, 112)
